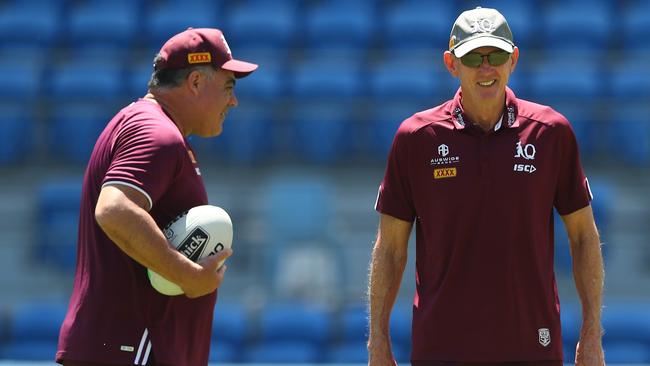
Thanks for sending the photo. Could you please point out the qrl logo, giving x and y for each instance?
(527, 152)
(482, 25)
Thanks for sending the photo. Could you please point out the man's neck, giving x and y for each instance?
(483, 114)
(169, 107)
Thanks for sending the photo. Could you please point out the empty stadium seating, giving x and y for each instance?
(321, 51)
(336, 79)
(58, 216)
(16, 126)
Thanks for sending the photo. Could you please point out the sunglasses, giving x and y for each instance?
(474, 59)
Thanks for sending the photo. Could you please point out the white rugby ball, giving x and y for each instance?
(200, 232)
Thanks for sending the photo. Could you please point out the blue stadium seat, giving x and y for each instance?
(288, 203)
(282, 352)
(29, 23)
(165, 19)
(572, 77)
(354, 324)
(58, 216)
(630, 77)
(37, 321)
(563, 30)
(137, 76)
(328, 76)
(323, 133)
(418, 24)
(634, 21)
(586, 126)
(629, 134)
(348, 352)
(74, 127)
(400, 326)
(101, 22)
(571, 320)
(626, 322)
(28, 350)
(16, 129)
(21, 80)
(248, 136)
(269, 24)
(230, 324)
(295, 322)
(223, 352)
(338, 24)
(405, 79)
(627, 353)
(86, 81)
(268, 82)
(385, 118)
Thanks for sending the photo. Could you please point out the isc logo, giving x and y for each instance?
(528, 168)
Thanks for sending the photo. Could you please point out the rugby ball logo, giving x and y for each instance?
(197, 233)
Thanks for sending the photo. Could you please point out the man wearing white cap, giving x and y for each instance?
(142, 173)
(480, 176)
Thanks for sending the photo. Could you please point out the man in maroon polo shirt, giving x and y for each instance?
(480, 175)
(142, 173)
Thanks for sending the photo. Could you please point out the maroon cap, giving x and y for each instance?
(201, 46)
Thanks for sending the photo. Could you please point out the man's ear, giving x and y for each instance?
(515, 58)
(451, 63)
(193, 81)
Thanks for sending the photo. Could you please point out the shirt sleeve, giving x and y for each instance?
(146, 156)
(572, 192)
(394, 197)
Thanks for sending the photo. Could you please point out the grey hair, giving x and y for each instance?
(171, 78)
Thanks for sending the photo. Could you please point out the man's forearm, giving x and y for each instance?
(386, 270)
(135, 232)
(588, 273)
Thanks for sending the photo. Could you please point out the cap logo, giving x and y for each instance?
(225, 44)
(452, 41)
(482, 26)
(199, 58)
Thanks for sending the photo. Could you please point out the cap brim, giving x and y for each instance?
(485, 41)
(240, 68)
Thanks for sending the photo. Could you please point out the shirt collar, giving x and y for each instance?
(509, 113)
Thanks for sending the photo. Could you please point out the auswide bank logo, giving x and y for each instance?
(443, 156)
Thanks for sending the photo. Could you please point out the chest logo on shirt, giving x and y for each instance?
(526, 152)
(443, 156)
(444, 173)
(544, 336)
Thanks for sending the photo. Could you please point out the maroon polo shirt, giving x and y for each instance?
(115, 316)
(483, 210)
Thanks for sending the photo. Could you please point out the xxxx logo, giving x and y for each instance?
(444, 173)
(198, 58)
